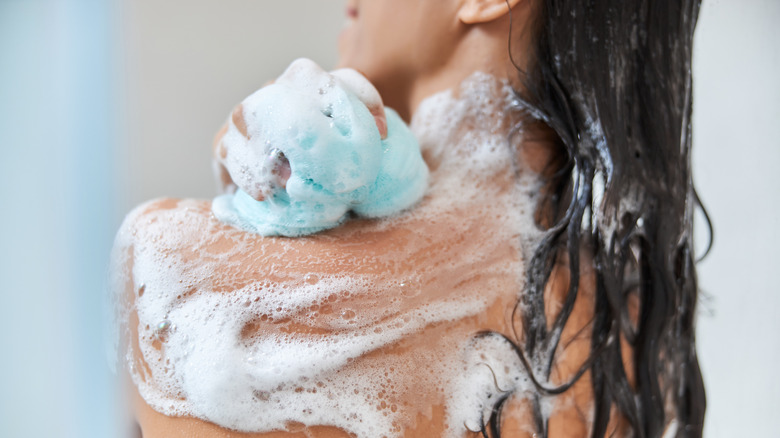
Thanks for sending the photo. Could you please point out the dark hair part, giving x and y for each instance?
(612, 78)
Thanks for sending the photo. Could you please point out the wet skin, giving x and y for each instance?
(453, 48)
(410, 247)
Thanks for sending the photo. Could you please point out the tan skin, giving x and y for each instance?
(435, 45)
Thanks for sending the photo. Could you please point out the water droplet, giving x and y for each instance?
(311, 279)
(328, 111)
(163, 326)
(348, 314)
(409, 288)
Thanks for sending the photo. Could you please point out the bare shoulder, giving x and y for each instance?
(166, 221)
(186, 232)
(154, 207)
(181, 239)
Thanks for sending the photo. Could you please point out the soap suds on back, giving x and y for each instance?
(255, 333)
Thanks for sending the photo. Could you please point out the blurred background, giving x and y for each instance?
(107, 103)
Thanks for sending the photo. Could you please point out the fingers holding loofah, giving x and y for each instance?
(312, 146)
(366, 93)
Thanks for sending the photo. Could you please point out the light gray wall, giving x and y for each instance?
(736, 162)
(187, 63)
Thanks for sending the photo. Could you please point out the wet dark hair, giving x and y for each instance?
(612, 79)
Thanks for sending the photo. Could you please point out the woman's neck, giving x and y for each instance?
(478, 131)
(483, 48)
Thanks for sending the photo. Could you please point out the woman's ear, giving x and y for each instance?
(483, 11)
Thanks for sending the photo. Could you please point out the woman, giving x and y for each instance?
(460, 316)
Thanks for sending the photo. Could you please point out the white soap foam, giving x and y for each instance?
(253, 334)
(491, 370)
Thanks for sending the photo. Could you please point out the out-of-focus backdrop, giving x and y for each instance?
(107, 103)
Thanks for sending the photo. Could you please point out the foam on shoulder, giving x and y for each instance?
(363, 327)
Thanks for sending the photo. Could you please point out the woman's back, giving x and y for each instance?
(373, 327)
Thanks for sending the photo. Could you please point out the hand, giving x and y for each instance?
(225, 184)
(238, 172)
